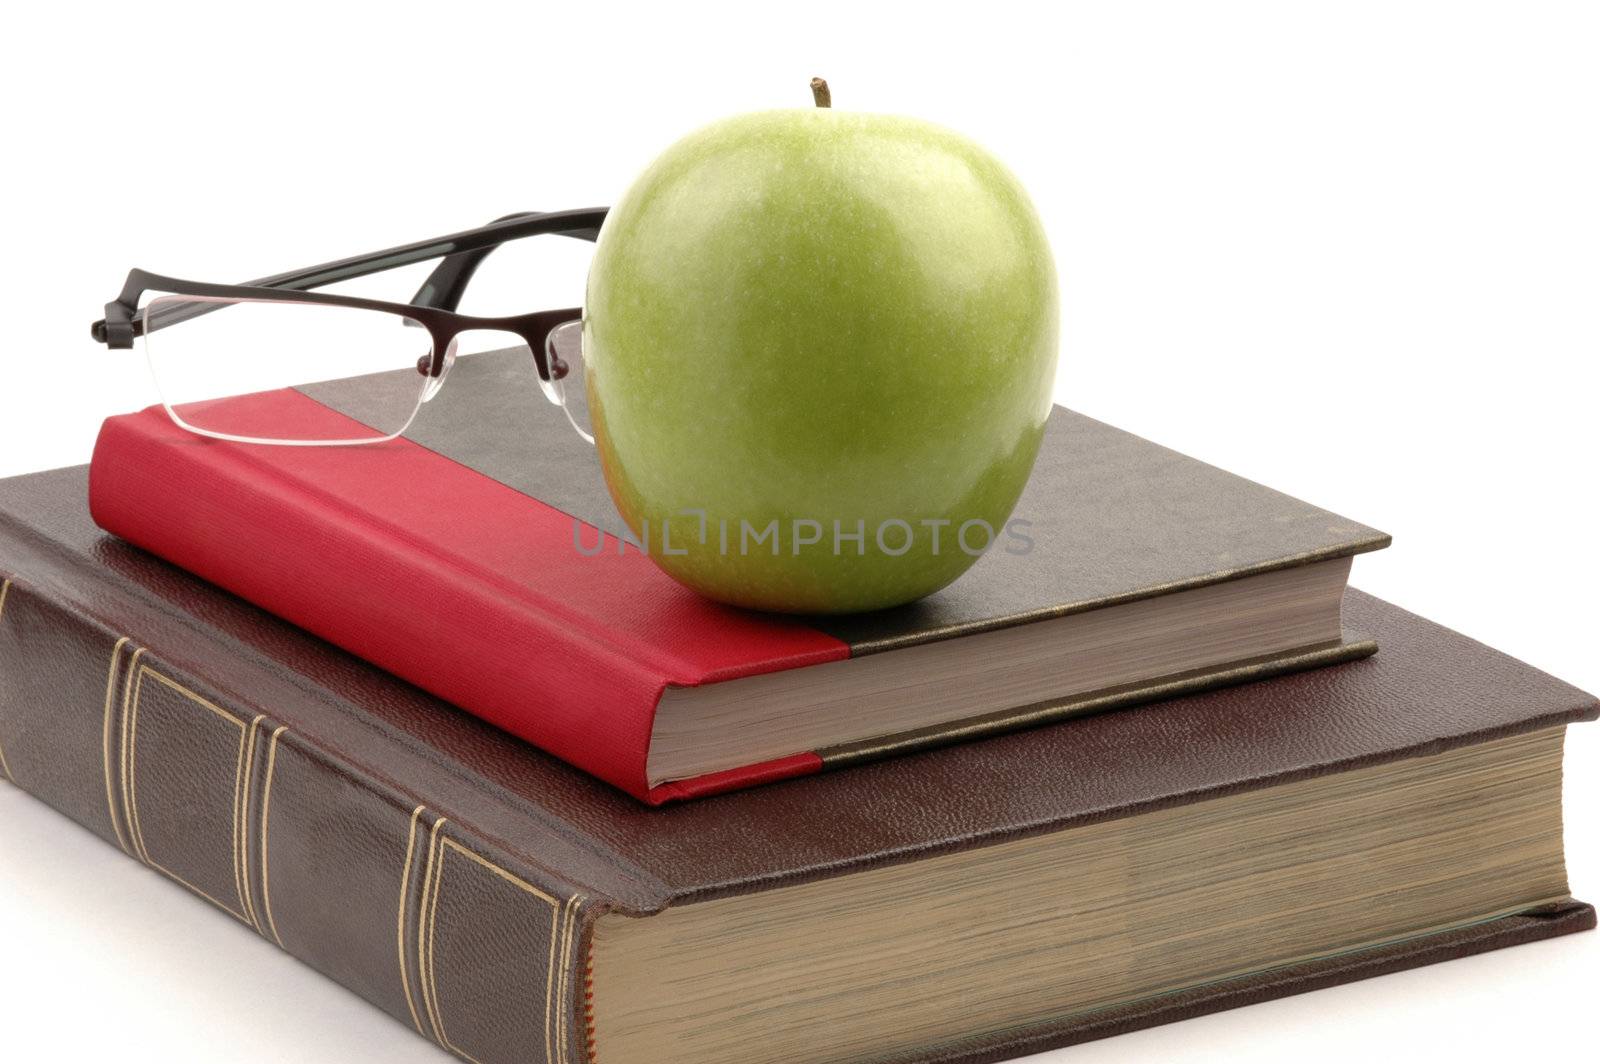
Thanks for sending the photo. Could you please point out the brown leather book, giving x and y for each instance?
(480, 558)
(968, 903)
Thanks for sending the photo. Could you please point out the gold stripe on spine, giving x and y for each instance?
(131, 758)
(105, 741)
(400, 920)
(241, 825)
(424, 947)
(569, 922)
(266, 823)
(555, 994)
(127, 744)
(5, 589)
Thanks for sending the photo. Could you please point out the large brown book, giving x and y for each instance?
(968, 903)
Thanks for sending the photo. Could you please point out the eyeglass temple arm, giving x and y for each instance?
(447, 284)
(118, 329)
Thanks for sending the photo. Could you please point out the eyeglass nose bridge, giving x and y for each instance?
(458, 344)
(536, 331)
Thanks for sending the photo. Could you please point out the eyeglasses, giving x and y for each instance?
(241, 362)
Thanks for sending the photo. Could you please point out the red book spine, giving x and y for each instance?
(444, 577)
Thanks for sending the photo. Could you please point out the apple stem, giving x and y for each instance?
(820, 93)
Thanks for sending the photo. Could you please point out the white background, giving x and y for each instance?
(1349, 249)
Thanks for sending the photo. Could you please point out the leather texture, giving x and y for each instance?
(477, 514)
(451, 874)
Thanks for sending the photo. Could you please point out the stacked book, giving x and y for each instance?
(390, 708)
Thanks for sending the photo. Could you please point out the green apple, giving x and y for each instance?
(820, 348)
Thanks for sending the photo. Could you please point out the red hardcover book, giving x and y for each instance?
(462, 558)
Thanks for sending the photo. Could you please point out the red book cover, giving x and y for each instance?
(462, 558)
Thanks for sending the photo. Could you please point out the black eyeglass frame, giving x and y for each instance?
(432, 308)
